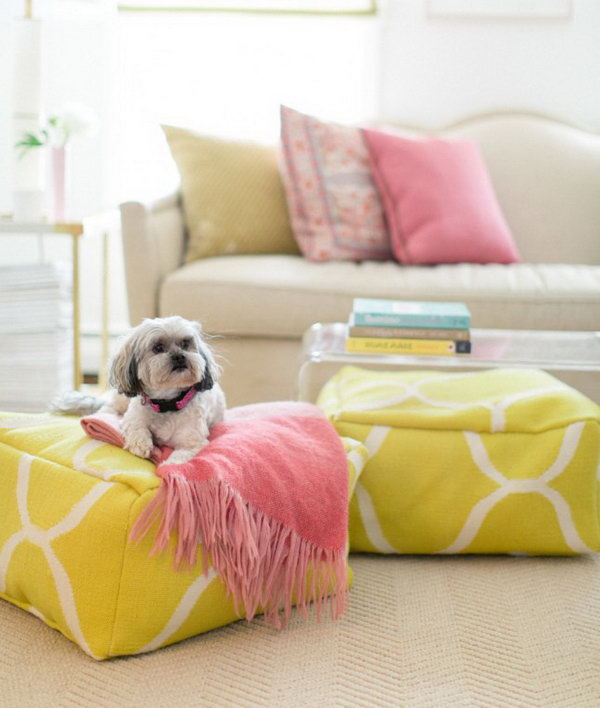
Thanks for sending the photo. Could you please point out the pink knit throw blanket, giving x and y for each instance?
(267, 499)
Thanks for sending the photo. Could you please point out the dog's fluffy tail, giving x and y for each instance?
(75, 403)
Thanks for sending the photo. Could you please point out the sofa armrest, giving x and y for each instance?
(153, 246)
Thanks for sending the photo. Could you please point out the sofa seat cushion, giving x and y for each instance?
(67, 505)
(499, 461)
(281, 296)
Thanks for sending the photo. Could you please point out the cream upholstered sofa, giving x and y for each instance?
(547, 179)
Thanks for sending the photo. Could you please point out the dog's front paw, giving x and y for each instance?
(140, 445)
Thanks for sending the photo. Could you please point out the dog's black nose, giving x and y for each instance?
(178, 359)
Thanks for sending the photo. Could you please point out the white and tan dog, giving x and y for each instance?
(166, 388)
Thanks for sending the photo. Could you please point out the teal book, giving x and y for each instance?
(408, 313)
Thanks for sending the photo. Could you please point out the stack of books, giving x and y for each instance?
(407, 327)
(36, 354)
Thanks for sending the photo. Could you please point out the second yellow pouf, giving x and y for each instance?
(498, 461)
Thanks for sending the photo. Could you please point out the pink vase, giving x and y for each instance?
(59, 183)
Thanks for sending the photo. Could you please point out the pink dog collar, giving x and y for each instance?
(169, 405)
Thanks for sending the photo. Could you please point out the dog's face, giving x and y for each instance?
(161, 355)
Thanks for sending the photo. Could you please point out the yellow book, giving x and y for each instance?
(378, 345)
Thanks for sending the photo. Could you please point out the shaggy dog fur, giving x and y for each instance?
(159, 362)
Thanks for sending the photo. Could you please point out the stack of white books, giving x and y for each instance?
(36, 335)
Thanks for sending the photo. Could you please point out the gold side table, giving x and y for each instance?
(75, 230)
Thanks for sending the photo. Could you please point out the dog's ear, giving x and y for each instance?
(123, 373)
(212, 370)
(207, 380)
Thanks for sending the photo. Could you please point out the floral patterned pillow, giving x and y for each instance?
(334, 205)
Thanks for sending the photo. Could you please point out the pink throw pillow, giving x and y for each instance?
(439, 201)
(335, 210)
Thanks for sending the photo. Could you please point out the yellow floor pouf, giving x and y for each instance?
(67, 504)
(499, 461)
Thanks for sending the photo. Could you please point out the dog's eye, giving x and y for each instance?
(158, 348)
(185, 343)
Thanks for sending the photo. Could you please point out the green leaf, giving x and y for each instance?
(29, 141)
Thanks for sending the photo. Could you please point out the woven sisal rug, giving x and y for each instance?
(420, 631)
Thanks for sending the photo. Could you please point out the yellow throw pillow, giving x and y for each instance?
(67, 505)
(233, 197)
(500, 461)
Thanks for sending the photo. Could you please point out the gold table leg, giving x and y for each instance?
(77, 379)
(102, 374)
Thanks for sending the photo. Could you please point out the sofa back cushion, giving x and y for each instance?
(545, 175)
(233, 198)
(335, 209)
(439, 203)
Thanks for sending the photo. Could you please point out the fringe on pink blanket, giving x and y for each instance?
(266, 499)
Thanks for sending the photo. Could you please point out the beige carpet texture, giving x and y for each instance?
(419, 631)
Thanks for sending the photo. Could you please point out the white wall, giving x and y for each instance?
(226, 75)
(78, 65)
(436, 71)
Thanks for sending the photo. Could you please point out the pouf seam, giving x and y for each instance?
(123, 556)
(25, 607)
(594, 419)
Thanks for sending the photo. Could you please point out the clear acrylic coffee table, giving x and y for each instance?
(572, 356)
